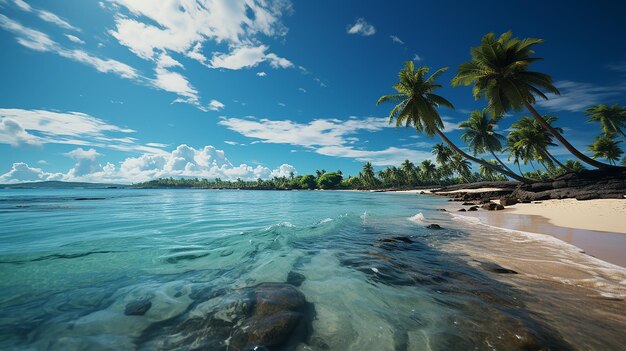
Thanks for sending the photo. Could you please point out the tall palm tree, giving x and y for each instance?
(429, 171)
(462, 167)
(611, 118)
(574, 165)
(408, 168)
(529, 141)
(605, 146)
(489, 174)
(499, 71)
(442, 153)
(416, 104)
(480, 135)
(367, 175)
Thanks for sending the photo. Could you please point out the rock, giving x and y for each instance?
(473, 208)
(275, 297)
(442, 210)
(492, 206)
(587, 196)
(422, 193)
(468, 204)
(433, 226)
(137, 308)
(508, 201)
(265, 331)
(396, 239)
(496, 268)
(295, 278)
(462, 210)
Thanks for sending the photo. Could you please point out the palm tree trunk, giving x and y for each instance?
(500, 161)
(564, 141)
(559, 162)
(479, 161)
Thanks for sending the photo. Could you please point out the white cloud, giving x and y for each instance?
(21, 172)
(417, 58)
(36, 127)
(246, 57)
(302, 90)
(261, 74)
(576, 96)
(74, 39)
(215, 105)
(395, 39)
(282, 104)
(231, 142)
(184, 161)
(330, 137)
(361, 27)
(45, 15)
(42, 162)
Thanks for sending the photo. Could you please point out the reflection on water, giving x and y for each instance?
(188, 269)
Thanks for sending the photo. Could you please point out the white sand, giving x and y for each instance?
(479, 190)
(608, 215)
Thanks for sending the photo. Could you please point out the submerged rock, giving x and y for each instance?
(295, 278)
(138, 307)
(396, 239)
(434, 226)
(496, 268)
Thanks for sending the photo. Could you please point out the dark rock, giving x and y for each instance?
(462, 210)
(496, 268)
(508, 201)
(396, 239)
(492, 206)
(499, 207)
(468, 204)
(442, 210)
(271, 330)
(422, 193)
(433, 226)
(275, 297)
(587, 196)
(295, 278)
(138, 307)
(473, 208)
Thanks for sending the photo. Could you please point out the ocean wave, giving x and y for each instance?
(418, 218)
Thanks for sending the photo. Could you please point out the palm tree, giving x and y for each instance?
(408, 169)
(442, 153)
(461, 166)
(605, 146)
(574, 165)
(429, 171)
(611, 118)
(499, 71)
(417, 106)
(480, 135)
(529, 141)
(367, 175)
(489, 174)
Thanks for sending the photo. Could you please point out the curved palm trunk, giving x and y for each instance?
(564, 141)
(500, 161)
(479, 161)
(559, 162)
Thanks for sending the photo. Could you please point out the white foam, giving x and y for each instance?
(418, 218)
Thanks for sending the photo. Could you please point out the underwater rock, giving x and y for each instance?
(496, 268)
(396, 239)
(295, 278)
(433, 226)
(138, 307)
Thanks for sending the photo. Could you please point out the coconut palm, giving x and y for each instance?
(499, 71)
(442, 153)
(367, 175)
(611, 118)
(480, 135)
(416, 104)
(489, 174)
(605, 146)
(461, 166)
(574, 165)
(408, 168)
(429, 171)
(529, 141)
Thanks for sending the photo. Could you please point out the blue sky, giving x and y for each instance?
(129, 90)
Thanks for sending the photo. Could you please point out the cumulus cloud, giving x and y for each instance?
(36, 127)
(182, 162)
(261, 74)
(361, 27)
(215, 105)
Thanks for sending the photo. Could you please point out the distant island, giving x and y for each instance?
(62, 185)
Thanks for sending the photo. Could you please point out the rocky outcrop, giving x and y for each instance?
(492, 206)
(434, 226)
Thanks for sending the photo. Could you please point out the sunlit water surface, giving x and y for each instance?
(72, 260)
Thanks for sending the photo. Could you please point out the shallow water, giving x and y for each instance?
(375, 277)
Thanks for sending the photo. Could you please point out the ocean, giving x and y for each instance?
(146, 269)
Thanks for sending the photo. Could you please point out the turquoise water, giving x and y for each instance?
(374, 277)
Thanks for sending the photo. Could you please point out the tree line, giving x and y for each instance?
(499, 71)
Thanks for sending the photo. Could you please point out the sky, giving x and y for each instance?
(130, 90)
